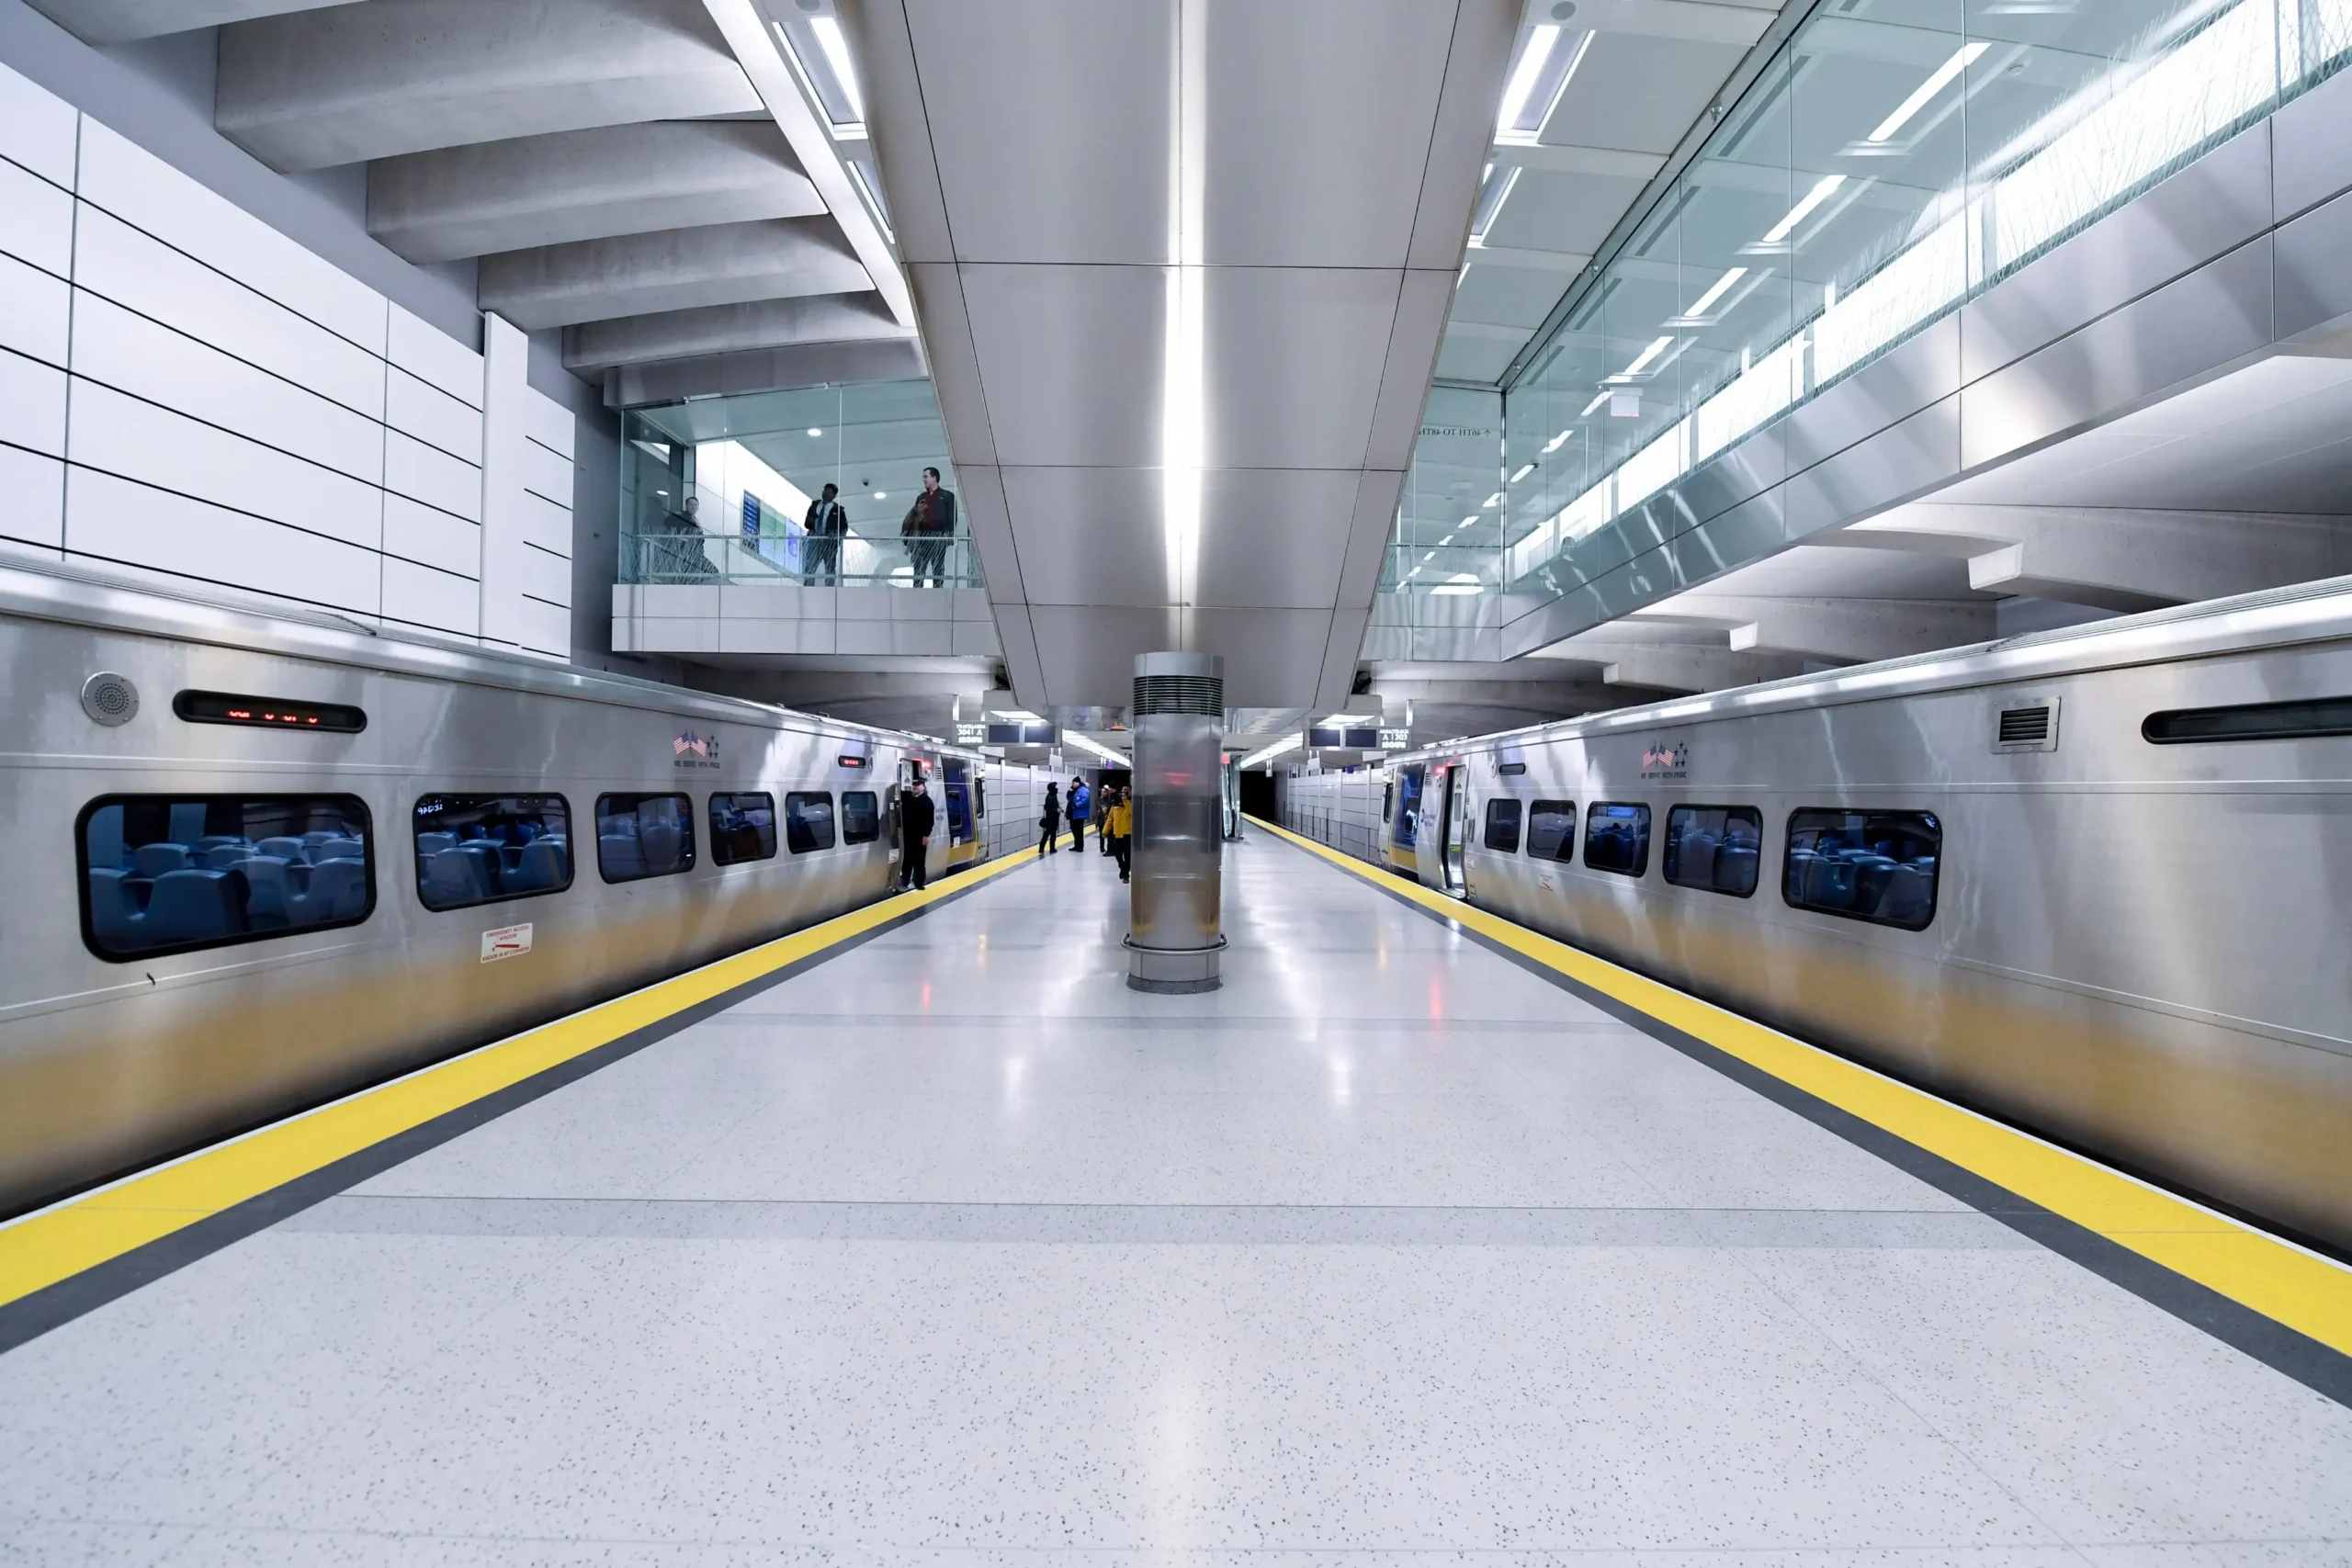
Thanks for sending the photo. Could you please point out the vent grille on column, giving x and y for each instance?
(1180, 694)
(2031, 729)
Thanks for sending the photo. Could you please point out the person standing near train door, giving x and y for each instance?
(915, 815)
(1049, 837)
(1081, 801)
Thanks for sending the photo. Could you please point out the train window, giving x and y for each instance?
(1866, 865)
(2251, 721)
(173, 872)
(1617, 838)
(742, 828)
(480, 848)
(644, 835)
(1551, 830)
(1714, 848)
(808, 821)
(861, 817)
(1408, 802)
(1502, 826)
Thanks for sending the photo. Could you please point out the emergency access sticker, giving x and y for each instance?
(506, 942)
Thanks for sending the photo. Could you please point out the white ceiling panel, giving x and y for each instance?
(1089, 652)
(1405, 379)
(1508, 295)
(1049, 123)
(1293, 363)
(1272, 657)
(938, 289)
(1466, 357)
(1273, 537)
(1089, 536)
(1070, 362)
(1639, 94)
(1552, 212)
(1313, 109)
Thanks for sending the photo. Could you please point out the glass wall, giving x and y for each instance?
(1896, 157)
(1447, 539)
(732, 490)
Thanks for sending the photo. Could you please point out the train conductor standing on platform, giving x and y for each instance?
(1082, 800)
(915, 815)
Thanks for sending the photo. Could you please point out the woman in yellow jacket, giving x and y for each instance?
(1118, 822)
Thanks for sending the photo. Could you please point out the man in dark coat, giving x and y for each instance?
(929, 527)
(915, 815)
(827, 522)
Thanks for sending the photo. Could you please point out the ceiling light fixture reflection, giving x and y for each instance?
(1823, 189)
(1531, 60)
(1962, 59)
(1557, 441)
(1596, 402)
(1447, 540)
(814, 430)
(1494, 500)
(1642, 360)
(1467, 521)
(1721, 287)
(1524, 469)
(836, 48)
(1182, 393)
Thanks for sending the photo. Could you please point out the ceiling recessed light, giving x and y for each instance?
(881, 495)
(815, 430)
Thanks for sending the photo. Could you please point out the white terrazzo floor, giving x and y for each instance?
(954, 1250)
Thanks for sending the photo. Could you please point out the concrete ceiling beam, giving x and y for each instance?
(2112, 559)
(1839, 631)
(348, 84)
(677, 269)
(125, 22)
(584, 184)
(729, 329)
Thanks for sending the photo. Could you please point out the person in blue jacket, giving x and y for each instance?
(1081, 800)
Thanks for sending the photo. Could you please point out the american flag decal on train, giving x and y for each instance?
(692, 742)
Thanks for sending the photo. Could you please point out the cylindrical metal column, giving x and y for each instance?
(1174, 904)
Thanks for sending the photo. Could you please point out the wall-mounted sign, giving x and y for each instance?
(1396, 739)
(971, 734)
(267, 713)
(506, 942)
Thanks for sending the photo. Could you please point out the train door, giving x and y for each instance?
(894, 825)
(955, 792)
(1457, 812)
(1404, 832)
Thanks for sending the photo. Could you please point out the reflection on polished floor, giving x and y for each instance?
(953, 1249)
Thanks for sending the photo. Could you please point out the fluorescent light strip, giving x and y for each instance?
(1083, 744)
(836, 48)
(1642, 360)
(1531, 60)
(1287, 743)
(1823, 189)
(1962, 59)
(1524, 469)
(1555, 444)
(1467, 521)
(1722, 285)
(1594, 404)
(1493, 500)
(1494, 210)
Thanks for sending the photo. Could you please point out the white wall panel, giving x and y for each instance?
(432, 415)
(549, 423)
(425, 597)
(119, 520)
(544, 575)
(36, 221)
(545, 628)
(424, 473)
(123, 435)
(131, 268)
(129, 351)
(431, 537)
(35, 312)
(149, 194)
(32, 497)
(36, 128)
(547, 473)
(32, 404)
(504, 449)
(431, 354)
(547, 525)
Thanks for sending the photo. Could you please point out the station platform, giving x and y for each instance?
(937, 1245)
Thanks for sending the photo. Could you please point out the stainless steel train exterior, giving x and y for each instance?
(109, 1060)
(2131, 929)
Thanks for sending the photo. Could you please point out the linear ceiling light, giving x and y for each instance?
(1531, 60)
(1823, 189)
(1642, 360)
(1467, 521)
(1922, 95)
(1494, 500)
(1071, 737)
(1524, 469)
(836, 48)
(1183, 393)
(1722, 286)
(1491, 203)
(1287, 743)
(1601, 398)
(1557, 441)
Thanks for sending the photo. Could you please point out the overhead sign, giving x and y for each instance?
(971, 734)
(1396, 739)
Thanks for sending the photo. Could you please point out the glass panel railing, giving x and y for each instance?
(699, 557)
(1885, 167)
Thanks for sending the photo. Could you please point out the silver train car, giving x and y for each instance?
(258, 862)
(2096, 881)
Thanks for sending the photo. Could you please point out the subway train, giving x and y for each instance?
(2096, 881)
(258, 861)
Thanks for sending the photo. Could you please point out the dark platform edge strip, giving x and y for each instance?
(2318, 1367)
(53, 1306)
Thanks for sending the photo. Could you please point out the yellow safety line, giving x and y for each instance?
(2308, 1293)
(50, 1245)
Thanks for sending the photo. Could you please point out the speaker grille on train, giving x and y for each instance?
(110, 699)
(2028, 728)
(1180, 694)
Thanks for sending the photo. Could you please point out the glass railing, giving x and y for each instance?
(694, 557)
(1877, 174)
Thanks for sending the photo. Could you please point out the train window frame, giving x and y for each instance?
(718, 855)
(82, 868)
(1568, 838)
(1792, 828)
(448, 798)
(637, 799)
(1668, 857)
(1404, 828)
(793, 800)
(1510, 805)
(2326, 718)
(1593, 813)
(873, 799)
